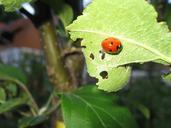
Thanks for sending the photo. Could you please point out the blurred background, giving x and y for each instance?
(147, 95)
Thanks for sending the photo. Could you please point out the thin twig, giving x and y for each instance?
(34, 107)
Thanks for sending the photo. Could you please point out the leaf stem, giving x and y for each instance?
(53, 108)
(33, 105)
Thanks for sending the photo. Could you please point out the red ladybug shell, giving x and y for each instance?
(111, 45)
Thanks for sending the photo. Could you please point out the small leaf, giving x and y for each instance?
(31, 121)
(66, 14)
(12, 5)
(11, 104)
(91, 108)
(12, 72)
(134, 23)
(143, 109)
(11, 88)
(167, 78)
(2, 95)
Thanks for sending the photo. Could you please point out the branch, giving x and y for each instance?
(55, 67)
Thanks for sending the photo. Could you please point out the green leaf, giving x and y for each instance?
(134, 23)
(167, 78)
(11, 89)
(12, 72)
(2, 95)
(63, 10)
(12, 5)
(143, 109)
(31, 121)
(11, 104)
(91, 108)
(66, 14)
(114, 80)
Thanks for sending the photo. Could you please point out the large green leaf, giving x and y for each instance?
(134, 23)
(12, 5)
(91, 108)
(12, 72)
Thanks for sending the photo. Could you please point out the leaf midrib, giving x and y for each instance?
(140, 44)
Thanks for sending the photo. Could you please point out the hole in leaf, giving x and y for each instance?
(83, 46)
(100, 51)
(103, 56)
(92, 56)
(104, 74)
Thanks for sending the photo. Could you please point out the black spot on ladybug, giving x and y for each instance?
(92, 56)
(103, 56)
(110, 50)
(104, 74)
(111, 43)
(118, 47)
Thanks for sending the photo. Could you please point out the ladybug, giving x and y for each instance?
(111, 45)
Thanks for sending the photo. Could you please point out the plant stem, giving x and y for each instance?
(33, 105)
(53, 108)
(55, 67)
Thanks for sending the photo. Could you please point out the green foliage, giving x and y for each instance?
(12, 5)
(11, 89)
(66, 14)
(143, 109)
(167, 78)
(155, 96)
(2, 95)
(91, 108)
(118, 77)
(31, 121)
(11, 104)
(64, 11)
(12, 72)
(7, 17)
(134, 23)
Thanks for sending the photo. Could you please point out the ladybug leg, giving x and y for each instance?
(102, 54)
